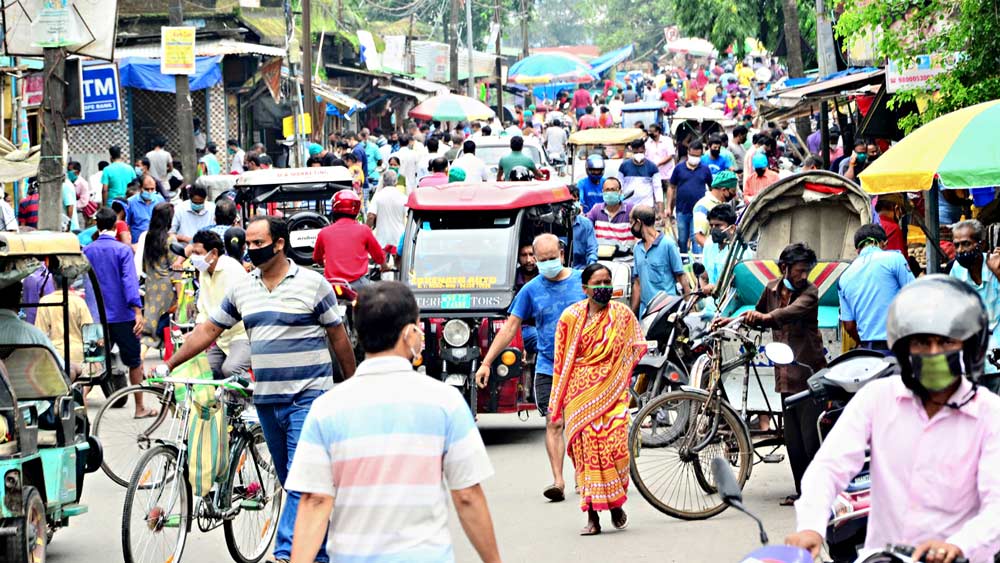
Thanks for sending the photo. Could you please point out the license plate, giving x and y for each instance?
(456, 301)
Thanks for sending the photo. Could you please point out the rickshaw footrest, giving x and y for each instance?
(773, 458)
(74, 510)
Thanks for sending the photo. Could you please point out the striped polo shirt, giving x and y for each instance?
(388, 444)
(287, 331)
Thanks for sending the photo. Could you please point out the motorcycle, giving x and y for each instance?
(731, 494)
(670, 328)
(834, 386)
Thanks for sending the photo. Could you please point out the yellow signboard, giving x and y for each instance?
(455, 282)
(288, 125)
(177, 50)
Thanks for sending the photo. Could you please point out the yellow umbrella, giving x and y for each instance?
(959, 149)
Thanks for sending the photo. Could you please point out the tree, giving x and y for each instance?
(793, 39)
(965, 31)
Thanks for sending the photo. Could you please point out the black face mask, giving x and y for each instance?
(715, 154)
(636, 231)
(262, 255)
(967, 259)
(719, 236)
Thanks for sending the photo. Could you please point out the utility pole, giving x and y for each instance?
(826, 55)
(453, 44)
(470, 83)
(496, 16)
(182, 99)
(51, 168)
(525, 16)
(307, 63)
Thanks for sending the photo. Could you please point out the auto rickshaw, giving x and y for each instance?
(612, 144)
(460, 255)
(45, 442)
(301, 195)
(697, 123)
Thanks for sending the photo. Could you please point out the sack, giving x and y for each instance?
(195, 368)
(90, 209)
(208, 447)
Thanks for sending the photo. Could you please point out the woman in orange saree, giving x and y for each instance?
(598, 342)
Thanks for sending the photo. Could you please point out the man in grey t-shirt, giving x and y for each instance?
(159, 160)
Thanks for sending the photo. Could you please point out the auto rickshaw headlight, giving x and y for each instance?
(456, 332)
(508, 358)
(502, 370)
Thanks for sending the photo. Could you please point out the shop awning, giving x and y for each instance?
(832, 86)
(210, 48)
(419, 96)
(341, 104)
(144, 74)
(608, 60)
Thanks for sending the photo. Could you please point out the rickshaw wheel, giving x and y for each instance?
(28, 543)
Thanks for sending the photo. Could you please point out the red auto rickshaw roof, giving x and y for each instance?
(487, 196)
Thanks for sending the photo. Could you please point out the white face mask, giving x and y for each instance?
(694, 160)
(200, 262)
(639, 157)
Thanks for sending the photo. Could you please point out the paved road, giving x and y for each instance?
(529, 528)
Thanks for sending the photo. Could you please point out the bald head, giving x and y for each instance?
(545, 243)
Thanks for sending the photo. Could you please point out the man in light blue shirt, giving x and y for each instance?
(869, 285)
(140, 207)
(981, 271)
(658, 265)
(584, 237)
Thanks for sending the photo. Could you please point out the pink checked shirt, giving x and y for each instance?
(931, 479)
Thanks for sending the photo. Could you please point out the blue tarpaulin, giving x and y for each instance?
(143, 73)
(608, 60)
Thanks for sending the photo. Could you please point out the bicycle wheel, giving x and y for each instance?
(157, 509)
(254, 489)
(124, 437)
(672, 442)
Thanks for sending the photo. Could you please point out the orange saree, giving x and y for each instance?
(593, 366)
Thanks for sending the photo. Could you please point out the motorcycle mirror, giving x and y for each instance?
(779, 353)
(725, 482)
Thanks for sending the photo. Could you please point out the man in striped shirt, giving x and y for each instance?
(290, 315)
(382, 452)
(611, 218)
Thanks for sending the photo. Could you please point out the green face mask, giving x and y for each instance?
(935, 372)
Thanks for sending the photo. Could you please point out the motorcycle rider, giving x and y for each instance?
(591, 187)
(934, 436)
(343, 246)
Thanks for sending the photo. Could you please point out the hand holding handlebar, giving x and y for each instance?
(935, 551)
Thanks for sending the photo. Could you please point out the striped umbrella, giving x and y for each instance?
(959, 149)
(452, 107)
(547, 68)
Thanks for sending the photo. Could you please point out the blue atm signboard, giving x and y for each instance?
(101, 99)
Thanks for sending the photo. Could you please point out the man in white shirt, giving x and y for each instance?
(615, 107)
(387, 212)
(95, 183)
(474, 167)
(407, 162)
(218, 272)
(555, 139)
(8, 222)
(236, 157)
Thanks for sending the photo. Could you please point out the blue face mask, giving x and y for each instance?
(612, 198)
(138, 171)
(146, 196)
(196, 207)
(550, 268)
(788, 285)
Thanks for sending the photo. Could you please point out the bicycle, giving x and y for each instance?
(674, 437)
(159, 510)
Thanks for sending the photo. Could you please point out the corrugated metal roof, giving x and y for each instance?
(209, 48)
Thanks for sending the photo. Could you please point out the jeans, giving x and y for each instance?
(282, 424)
(685, 233)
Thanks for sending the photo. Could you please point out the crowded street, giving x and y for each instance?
(424, 281)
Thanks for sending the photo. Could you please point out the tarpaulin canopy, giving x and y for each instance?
(609, 60)
(144, 74)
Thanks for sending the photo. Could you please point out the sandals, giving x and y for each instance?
(150, 413)
(554, 493)
(789, 500)
(619, 519)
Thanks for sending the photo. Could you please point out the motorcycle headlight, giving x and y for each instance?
(456, 332)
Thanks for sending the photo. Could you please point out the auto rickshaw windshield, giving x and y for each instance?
(464, 257)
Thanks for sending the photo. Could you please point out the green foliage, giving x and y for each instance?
(967, 27)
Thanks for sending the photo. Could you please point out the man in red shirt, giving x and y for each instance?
(588, 121)
(670, 97)
(581, 100)
(895, 239)
(343, 247)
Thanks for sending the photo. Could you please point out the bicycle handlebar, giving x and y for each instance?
(232, 383)
(907, 551)
(798, 397)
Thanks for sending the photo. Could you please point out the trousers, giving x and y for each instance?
(801, 436)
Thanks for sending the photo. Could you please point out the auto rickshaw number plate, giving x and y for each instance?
(456, 301)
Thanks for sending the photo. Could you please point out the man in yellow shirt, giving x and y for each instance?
(50, 321)
(217, 273)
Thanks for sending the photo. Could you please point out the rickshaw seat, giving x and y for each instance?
(751, 276)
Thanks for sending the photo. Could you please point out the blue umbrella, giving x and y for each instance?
(550, 67)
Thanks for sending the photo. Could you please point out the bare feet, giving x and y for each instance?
(593, 526)
(619, 518)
